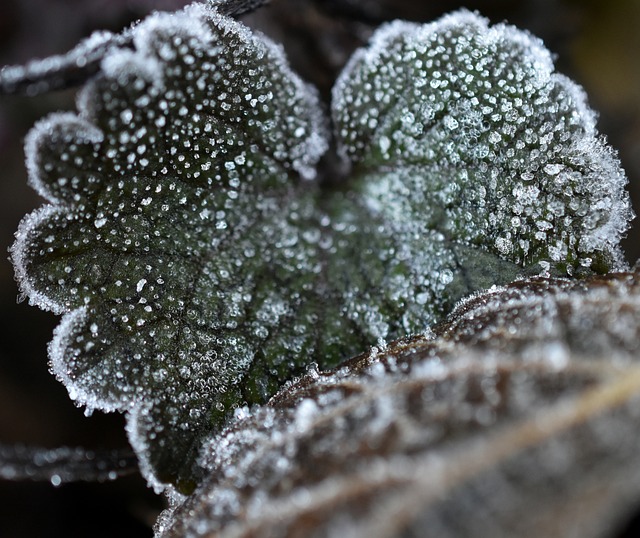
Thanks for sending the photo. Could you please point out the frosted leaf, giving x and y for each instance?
(541, 315)
(199, 266)
(183, 166)
(466, 129)
(447, 433)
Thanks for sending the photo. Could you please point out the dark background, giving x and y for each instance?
(597, 43)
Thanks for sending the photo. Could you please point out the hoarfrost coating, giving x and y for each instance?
(199, 266)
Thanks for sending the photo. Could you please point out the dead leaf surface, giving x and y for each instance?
(518, 416)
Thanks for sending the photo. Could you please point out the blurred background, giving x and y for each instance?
(597, 43)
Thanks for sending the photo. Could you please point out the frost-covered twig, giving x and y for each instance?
(83, 61)
(64, 464)
(61, 71)
(234, 8)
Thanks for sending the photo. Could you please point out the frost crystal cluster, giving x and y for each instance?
(199, 264)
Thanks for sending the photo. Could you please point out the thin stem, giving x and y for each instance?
(74, 68)
(234, 8)
(61, 71)
(64, 464)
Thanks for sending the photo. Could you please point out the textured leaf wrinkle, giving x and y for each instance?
(187, 248)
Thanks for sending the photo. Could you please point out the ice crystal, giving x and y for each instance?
(199, 266)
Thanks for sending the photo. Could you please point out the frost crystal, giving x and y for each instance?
(199, 267)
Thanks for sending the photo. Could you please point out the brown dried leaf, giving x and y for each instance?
(519, 416)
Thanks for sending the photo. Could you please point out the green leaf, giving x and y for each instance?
(199, 267)
(172, 238)
(465, 129)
